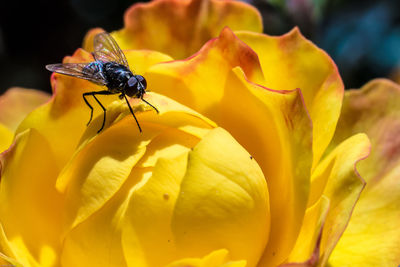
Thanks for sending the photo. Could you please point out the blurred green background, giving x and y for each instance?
(363, 37)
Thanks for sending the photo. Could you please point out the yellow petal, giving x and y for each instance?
(30, 210)
(93, 176)
(147, 238)
(336, 177)
(6, 137)
(372, 237)
(96, 241)
(290, 61)
(284, 145)
(308, 241)
(199, 82)
(180, 28)
(216, 196)
(217, 258)
(223, 200)
(7, 256)
(17, 102)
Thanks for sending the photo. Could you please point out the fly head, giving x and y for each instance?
(136, 86)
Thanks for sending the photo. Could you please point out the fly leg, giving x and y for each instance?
(105, 92)
(90, 106)
(150, 105)
(130, 109)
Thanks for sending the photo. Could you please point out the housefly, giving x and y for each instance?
(110, 69)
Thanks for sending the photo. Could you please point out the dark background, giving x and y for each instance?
(363, 37)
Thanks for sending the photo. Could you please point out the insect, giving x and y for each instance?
(109, 69)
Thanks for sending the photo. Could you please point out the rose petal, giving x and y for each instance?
(217, 258)
(6, 137)
(214, 212)
(99, 170)
(310, 235)
(7, 256)
(373, 109)
(67, 112)
(273, 126)
(146, 234)
(198, 82)
(291, 61)
(234, 196)
(33, 231)
(372, 237)
(337, 178)
(84, 246)
(180, 28)
(17, 102)
(283, 150)
(96, 241)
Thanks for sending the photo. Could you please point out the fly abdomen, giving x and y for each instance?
(93, 67)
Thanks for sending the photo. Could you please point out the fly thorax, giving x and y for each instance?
(117, 75)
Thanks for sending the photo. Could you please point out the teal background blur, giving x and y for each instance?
(363, 37)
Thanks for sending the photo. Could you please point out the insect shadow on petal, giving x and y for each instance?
(110, 69)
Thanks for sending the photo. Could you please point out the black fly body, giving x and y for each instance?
(109, 69)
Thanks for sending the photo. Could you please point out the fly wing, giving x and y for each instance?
(78, 70)
(106, 49)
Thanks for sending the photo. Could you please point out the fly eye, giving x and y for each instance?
(132, 81)
(142, 80)
(144, 83)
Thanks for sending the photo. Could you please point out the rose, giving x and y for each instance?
(112, 211)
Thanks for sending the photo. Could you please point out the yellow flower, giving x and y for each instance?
(242, 167)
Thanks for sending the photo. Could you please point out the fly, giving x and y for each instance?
(109, 69)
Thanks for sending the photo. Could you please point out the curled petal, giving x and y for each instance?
(337, 179)
(374, 227)
(7, 255)
(291, 61)
(306, 249)
(198, 82)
